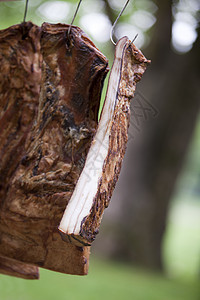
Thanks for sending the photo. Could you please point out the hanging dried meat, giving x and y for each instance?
(50, 86)
(55, 156)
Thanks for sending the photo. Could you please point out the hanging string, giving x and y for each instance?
(25, 11)
(74, 16)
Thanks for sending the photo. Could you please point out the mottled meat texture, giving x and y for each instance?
(50, 87)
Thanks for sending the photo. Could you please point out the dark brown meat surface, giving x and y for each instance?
(50, 87)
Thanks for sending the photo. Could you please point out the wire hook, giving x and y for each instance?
(112, 29)
(69, 29)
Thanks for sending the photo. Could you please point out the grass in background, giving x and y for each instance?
(106, 280)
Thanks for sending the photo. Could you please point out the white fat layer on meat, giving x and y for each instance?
(85, 191)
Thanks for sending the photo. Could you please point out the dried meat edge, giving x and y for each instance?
(12, 267)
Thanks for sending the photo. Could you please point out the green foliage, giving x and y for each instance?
(182, 240)
(12, 12)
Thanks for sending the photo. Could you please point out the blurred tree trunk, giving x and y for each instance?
(134, 225)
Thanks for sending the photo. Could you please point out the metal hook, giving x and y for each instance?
(25, 11)
(74, 16)
(112, 29)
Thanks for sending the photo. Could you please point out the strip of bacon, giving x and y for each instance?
(94, 188)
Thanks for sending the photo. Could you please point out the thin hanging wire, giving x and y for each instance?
(74, 16)
(113, 27)
(25, 11)
(134, 38)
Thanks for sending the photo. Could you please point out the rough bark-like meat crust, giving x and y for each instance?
(50, 86)
(133, 65)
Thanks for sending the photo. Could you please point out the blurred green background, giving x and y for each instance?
(149, 242)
